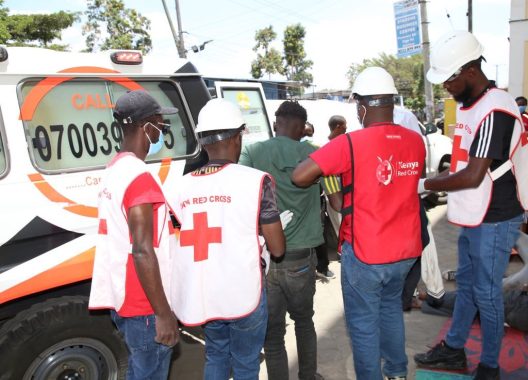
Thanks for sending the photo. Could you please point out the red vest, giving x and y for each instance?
(382, 210)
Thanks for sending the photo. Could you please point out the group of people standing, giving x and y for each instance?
(265, 199)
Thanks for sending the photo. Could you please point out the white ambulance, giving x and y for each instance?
(56, 135)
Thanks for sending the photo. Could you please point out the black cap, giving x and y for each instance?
(138, 105)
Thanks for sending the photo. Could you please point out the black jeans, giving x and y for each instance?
(322, 258)
(411, 281)
(291, 288)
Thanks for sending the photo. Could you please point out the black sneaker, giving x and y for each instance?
(487, 373)
(443, 357)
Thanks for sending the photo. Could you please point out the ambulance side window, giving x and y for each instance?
(251, 104)
(70, 126)
(3, 157)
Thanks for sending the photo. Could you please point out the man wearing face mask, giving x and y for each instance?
(482, 202)
(380, 166)
(132, 268)
(521, 102)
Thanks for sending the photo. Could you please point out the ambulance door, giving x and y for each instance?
(250, 98)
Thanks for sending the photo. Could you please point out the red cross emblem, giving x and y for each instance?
(384, 171)
(201, 236)
(459, 154)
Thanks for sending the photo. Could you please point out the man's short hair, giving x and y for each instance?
(292, 110)
(335, 121)
(521, 98)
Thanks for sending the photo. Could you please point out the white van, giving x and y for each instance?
(56, 135)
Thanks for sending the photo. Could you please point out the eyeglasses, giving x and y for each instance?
(455, 74)
(164, 127)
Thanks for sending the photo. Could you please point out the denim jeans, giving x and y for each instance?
(147, 359)
(373, 312)
(291, 288)
(236, 344)
(483, 256)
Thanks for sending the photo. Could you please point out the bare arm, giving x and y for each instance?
(469, 177)
(336, 200)
(146, 264)
(274, 236)
(306, 173)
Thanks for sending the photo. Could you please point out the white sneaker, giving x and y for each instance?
(328, 274)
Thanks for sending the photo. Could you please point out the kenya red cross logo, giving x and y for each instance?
(201, 236)
(384, 171)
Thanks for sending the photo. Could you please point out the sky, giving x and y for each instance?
(338, 32)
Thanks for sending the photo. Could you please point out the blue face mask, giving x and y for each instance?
(522, 109)
(154, 147)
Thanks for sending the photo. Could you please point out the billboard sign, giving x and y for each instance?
(407, 19)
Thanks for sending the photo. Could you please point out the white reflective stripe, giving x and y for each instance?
(485, 136)
(44, 262)
(488, 135)
(501, 170)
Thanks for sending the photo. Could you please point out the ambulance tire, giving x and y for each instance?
(59, 338)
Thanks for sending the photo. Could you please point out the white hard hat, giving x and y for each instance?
(218, 115)
(452, 51)
(374, 81)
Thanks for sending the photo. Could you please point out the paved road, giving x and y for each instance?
(334, 353)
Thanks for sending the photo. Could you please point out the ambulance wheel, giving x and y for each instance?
(60, 339)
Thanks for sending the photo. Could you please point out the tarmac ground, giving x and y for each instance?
(334, 352)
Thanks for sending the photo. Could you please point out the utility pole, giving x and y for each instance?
(428, 87)
(174, 35)
(470, 16)
(181, 46)
(178, 38)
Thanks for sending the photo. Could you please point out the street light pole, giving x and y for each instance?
(470, 16)
(173, 31)
(178, 38)
(181, 47)
(428, 87)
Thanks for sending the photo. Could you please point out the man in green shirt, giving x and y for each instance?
(291, 281)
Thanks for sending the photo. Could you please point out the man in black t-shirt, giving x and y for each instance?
(488, 211)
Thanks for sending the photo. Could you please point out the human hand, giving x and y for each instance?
(167, 331)
(285, 218)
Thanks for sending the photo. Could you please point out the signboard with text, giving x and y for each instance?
(407, 20)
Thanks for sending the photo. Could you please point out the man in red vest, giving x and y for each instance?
(380, 166)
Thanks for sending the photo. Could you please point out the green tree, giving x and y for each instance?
(296, 63)
(269, 60)
(34, 29)
(4, 34)
(408, 77)
(125, 28)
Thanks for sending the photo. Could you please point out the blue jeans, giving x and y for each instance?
(291, 288)
(147, 359)
(236, 344)
(483, 256)
(373, 312)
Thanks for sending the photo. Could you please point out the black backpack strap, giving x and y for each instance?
(350, 189)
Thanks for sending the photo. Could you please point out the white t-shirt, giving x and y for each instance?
(406, 118)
